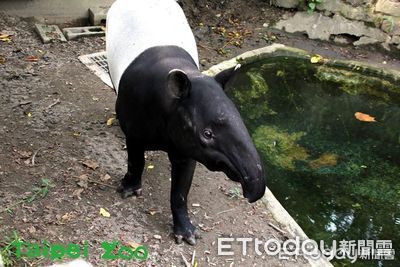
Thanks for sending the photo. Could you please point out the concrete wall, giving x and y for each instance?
(53, 11)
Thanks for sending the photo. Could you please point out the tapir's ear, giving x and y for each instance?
(178, 83)
(223, 77)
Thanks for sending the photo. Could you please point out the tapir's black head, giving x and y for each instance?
(206, 126)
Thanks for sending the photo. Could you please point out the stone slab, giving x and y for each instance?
(49, 33)
(77, 32)
(390, 7)
(346, 10)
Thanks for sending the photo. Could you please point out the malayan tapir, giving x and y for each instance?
(165, 103)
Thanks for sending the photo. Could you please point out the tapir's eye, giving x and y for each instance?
(207, 134)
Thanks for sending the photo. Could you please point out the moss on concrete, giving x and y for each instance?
(355, 84)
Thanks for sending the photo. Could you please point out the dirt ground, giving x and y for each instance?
(54, 113)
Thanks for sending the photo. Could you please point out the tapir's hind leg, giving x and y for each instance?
(182, 175)
(131, 184)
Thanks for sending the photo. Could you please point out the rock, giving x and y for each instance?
(390, 24)
(341, 40)
(202, 32)
(390, 7)
(365, 40)
(346, 10)
(286, 3)
(320, 27)
(358, 2)
(395, 39)
(385, 46)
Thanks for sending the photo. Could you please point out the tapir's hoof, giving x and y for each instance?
(129, 191)
(190, 239)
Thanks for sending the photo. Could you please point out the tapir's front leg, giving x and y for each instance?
(131, 184)
(182, 175)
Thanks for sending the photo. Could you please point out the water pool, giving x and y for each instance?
(329, 135)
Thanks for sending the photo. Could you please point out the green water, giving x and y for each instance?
(337, 176)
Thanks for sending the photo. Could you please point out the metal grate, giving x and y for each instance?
(101, 61)
(97, 63)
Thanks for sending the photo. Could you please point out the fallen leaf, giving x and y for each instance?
(90, 164)
(104, 213)
(150, 167)
(32, 229)
(205, 228)
(5, 38)
(132, 244)
(83, 184)
(32, 59)
(25, 154)
(105, 177)
(83, 177)
(110, 121)
(364, 117)
(315, 59)
(2, 60)
(68, 216)
(83, 181)
(77, 193)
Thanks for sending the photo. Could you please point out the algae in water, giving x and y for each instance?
(325, 160)
(323, 163)
(252, 101)
(280, 147)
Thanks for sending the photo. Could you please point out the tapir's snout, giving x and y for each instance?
(244, 168)
(253, 182)
(247, 169)
(254, 190)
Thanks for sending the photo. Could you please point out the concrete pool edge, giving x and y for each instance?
(279, 213)
(277, 50)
